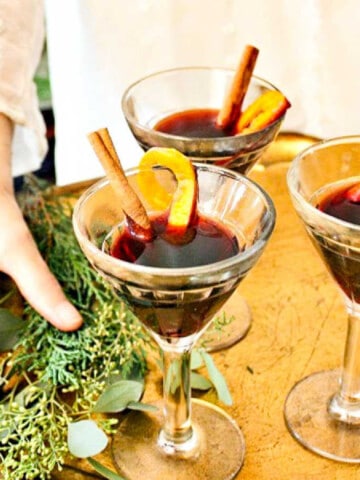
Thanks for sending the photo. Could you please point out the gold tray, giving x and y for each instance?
(298, 327)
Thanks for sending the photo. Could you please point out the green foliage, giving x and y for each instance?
(214, 380)
(217, 379)
(10, 328)
(105, 472)
(86, 439)
(118, 396)
(61, 375)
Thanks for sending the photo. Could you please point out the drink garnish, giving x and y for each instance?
(231, 108)
(267, 108)
(136, 215)
(353, 193)
(182, 204)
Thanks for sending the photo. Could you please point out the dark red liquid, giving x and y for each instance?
(179, 313)
(342, 259)
(205, 242)
(199, 123)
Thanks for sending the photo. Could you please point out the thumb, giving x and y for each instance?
(39, 286)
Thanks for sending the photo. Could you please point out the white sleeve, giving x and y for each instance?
(21, 42)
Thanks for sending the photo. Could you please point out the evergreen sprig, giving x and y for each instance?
(61, 375)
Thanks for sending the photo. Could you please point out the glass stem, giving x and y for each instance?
(345, 405)
(177, 435)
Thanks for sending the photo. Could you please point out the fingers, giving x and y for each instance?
(23, 262)
(41, 289)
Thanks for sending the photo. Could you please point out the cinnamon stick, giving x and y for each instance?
(129, 201)
(231, 108)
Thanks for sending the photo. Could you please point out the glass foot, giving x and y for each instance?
(307, 418)
(220, 454)
(220, 335)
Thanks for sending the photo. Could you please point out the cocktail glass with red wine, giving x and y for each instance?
(175, 290)
(322, 411)
(178, 109)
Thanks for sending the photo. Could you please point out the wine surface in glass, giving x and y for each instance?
(340, 200)
(174, 315)
(196, 123)
(205, 242)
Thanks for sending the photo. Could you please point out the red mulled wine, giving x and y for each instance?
(343, 203)
(201, 123)
(206, 241)
(184, 312)
(196, 123)
(342, 256)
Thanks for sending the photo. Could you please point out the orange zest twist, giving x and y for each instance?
(267, 108)
(182, 203)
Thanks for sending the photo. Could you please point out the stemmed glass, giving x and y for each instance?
(184, 439)
(158, 95)
(322, 411)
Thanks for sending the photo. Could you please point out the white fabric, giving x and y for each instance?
(308, 48)
(21, 42)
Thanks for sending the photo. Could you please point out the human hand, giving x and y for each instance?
(21, 260)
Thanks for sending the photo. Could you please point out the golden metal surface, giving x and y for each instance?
(298, 327)
(286, 146)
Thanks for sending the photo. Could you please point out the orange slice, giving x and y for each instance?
(267, 108)
(183, 201)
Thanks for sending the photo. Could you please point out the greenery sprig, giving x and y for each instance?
(56, 378)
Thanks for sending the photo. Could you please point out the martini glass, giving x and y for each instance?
(322, 411)
(184, 439)
(155, 97)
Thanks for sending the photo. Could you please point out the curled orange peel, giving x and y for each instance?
(183, 201)
(267, 108)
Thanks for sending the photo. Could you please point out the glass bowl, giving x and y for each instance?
(163, 93)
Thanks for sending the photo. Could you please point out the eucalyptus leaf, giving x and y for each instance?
(118, 395)
(21, 398)
(196, 360)
(30, 393)
(173, 377)
(10, 328)
(199, 382)
(105, 472)
(217, 379)
(145, 407)
(135, 375)
(86, 439)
